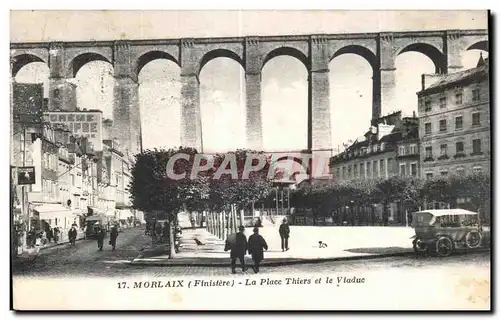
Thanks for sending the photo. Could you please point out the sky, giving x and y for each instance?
(284, 79)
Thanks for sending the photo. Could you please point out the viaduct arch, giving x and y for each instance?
(128, 57)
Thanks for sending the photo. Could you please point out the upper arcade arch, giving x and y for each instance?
(433, 53)
(79, 61)
(480, 45)
(286, 51)
(295, 160)
(219, 53)
(21, 60)
(150, 56)
(361, 51)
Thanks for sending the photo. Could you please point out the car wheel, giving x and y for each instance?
(444, 246)
(473, 239)
(419, 246)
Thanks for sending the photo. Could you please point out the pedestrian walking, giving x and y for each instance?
(238, 247)
(256, 247)
(72, 235)
(100, 237)
(112, 236)
(32, 237)
(284, 234)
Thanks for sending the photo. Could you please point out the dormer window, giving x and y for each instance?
(375, 148)
(382, 146)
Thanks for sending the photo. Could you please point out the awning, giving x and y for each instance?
(52, 211)
(124, 214)
(109, 213)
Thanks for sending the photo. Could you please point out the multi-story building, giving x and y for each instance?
(66, 162)
(454, 114)
(75, 174)
(408, 149)
(389, 148)
(119, 173)
(36, 144)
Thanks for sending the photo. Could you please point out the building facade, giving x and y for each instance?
(72, 178)
(455, 122)
(389, 148)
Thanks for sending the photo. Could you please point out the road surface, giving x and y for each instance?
(85, 260)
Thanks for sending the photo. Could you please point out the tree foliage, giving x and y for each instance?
(152, 188)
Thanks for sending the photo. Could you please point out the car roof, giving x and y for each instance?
(448, 212)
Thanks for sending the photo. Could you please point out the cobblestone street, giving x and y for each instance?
(85, 260)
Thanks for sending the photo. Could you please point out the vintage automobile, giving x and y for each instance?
(445, 230)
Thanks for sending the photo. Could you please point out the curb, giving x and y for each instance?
(271, 263)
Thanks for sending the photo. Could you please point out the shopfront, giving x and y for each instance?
(52, 215)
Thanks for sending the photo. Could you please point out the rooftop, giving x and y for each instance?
(460, 76)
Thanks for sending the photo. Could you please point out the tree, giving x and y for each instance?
(476, 187)
(439, 190)
(387, 191)
(153, 187)
(226, 189)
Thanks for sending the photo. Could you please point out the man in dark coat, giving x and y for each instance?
(72, 235)
(256, 246)
(238, 247)
(100, 237)
(112, 236)
(284, 234)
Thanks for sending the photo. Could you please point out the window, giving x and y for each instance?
(476, 146)
(475, 95)
(402, 169)
(338, 172)
(349, 171)
(413, 149)
(401, 150)
(382, 146)
(368, 169)
(459, 123)
(382, 168)
(389, 165)
(458, 98)
(460, 147)
(442, 102)
(476, 120)
(374, 164)
(375, 147)
(355, 170)
(428, 106)
(442, 125)
(428, 128)
(362, 170)
(428, 152)
(413, 169)
(428, 175)
(444, 150)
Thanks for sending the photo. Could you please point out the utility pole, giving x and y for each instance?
(25, 203)
(282, 202)
(277, 196)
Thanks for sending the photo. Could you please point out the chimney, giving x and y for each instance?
(414, 114)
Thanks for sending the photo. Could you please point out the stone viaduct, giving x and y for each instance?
(128, 57)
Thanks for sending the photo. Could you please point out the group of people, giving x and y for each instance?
(44, 236)
(255, 246)
(101, 234)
